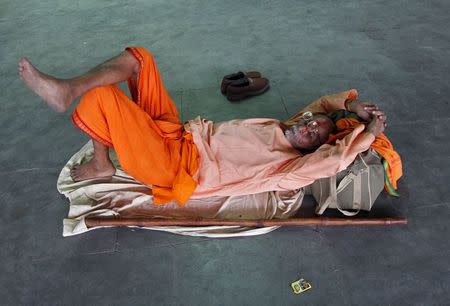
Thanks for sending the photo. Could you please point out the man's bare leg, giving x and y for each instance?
(60, 93)
(99, 166)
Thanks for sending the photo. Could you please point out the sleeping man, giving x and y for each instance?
(200, 158)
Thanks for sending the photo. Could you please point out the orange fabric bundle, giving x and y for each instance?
(381, 145)
(146, 133)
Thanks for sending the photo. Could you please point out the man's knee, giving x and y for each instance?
(141, 57)
(131, 61)
(98, 95)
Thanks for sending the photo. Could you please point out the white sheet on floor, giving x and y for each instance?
(123, 196)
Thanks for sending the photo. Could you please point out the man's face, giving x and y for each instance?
(301, 137)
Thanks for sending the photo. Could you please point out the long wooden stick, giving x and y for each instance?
(322, 221)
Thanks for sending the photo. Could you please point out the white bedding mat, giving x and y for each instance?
(123, 196)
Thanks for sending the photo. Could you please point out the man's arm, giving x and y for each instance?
(328, 160)
(326, 104)
(346, 100)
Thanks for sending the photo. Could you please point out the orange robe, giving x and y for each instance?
(145, 132)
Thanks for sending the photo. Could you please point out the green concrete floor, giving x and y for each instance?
(396, 53)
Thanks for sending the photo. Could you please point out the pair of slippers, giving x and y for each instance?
(241, 85)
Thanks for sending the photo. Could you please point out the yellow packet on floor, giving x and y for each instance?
(300, 286)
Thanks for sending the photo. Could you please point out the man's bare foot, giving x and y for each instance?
(92, 169)
(57, 93)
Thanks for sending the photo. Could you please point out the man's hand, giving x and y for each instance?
(377, 124)
(364, 110)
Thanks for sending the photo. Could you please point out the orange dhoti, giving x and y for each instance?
(146, 133)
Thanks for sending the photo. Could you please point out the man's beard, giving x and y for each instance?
(293, 135)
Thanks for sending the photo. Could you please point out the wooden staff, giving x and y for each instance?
(321, 221)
